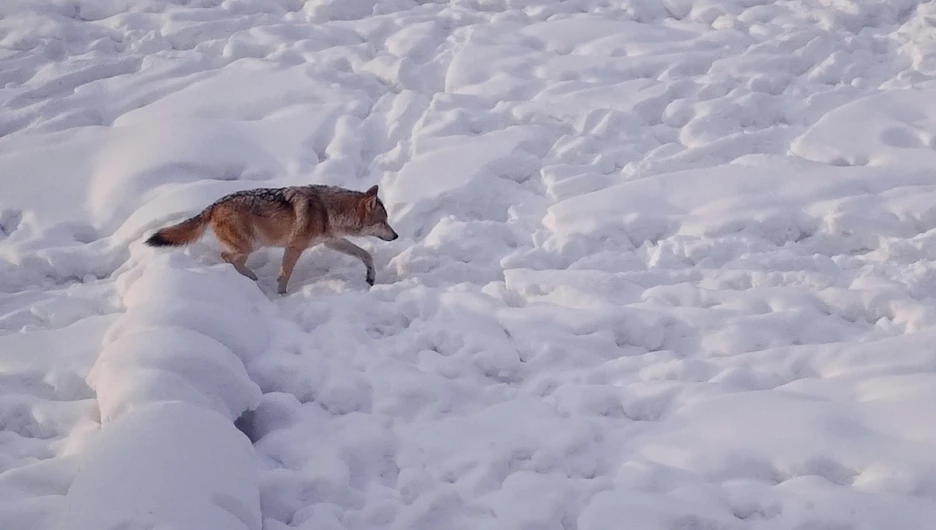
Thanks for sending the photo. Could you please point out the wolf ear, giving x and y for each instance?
(372, 191)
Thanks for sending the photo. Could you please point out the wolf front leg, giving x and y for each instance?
(346, 247)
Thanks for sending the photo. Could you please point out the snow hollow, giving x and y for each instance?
(663, 265)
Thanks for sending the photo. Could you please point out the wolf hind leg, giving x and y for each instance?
(239, 260)
(290, 257)
(236, 244)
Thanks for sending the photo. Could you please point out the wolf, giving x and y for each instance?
(294, 218)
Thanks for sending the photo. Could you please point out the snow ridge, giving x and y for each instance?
(170, 382)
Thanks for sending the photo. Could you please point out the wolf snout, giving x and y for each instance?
(386, 232)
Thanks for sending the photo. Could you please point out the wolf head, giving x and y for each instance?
(375, 217)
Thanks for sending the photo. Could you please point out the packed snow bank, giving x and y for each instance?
(894, 128)
(170, 382)
(768, 200)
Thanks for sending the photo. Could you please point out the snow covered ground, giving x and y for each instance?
(663, 265)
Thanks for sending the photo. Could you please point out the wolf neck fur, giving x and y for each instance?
(343, 219)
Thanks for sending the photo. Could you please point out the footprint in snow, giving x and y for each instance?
(10, 219)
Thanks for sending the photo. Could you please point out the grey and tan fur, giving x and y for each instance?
(294, 218)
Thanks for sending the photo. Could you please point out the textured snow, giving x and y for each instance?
(663, 265)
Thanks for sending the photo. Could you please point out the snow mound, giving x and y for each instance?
(195, 473)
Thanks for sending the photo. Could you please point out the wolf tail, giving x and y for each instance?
(182, 233)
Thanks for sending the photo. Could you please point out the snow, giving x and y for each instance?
(662, 264)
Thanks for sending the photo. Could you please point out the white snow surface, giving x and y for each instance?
(663, 265)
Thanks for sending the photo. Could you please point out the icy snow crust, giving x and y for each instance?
(664, 265)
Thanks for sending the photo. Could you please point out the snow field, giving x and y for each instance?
(662, 264)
